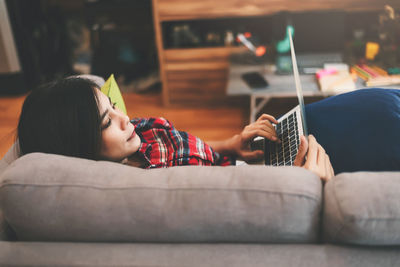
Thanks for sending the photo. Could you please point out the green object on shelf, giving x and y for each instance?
(394, 70)
(283, 46)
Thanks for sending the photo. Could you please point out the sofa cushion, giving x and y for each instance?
(359, 130)
(6, 233)
(51, 197)
(363, 208)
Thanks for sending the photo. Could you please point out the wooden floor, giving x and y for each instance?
(207, 123)
(10, 108)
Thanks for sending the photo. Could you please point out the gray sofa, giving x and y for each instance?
(62, 211)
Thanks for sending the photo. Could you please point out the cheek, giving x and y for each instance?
(109, 140)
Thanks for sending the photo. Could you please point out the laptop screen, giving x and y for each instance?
(299, 89)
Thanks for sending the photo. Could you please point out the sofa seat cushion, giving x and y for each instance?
(363, 208)
(56, 198)
(45, 254)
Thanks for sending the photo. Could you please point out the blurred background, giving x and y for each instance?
(172, 58)
(55, 38)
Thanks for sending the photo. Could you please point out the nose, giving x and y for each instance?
(124, 121)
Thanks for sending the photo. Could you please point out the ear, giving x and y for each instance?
(111, 89)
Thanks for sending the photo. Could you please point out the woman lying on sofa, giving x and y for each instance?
(73, 117)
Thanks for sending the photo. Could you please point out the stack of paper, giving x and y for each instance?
(335, 79)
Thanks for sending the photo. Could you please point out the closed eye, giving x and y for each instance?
(108, 123)
(105, 126)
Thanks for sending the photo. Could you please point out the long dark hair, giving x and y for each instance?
(61, 117)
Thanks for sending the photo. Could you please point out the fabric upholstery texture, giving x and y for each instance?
(6, 233)
(3, 227)
(363, 208)
(57, 198)
(134, 255)
(359, 130)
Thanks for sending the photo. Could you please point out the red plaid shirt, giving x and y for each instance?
(164, 146)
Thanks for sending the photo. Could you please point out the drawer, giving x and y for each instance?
(193, 86)
(196, 59)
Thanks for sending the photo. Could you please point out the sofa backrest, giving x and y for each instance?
(6, 233)
(3, 228)
(56, 198)
(13, 153)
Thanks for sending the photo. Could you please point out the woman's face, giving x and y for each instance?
(119, 139)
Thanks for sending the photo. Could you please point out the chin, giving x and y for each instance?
(136, 142)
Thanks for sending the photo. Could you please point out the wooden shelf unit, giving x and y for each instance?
(200, 74)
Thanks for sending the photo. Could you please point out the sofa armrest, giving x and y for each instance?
(363, 208)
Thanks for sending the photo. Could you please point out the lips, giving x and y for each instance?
(132, 135)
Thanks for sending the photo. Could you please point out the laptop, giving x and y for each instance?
(289, 128)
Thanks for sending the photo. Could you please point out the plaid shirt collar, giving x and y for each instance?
(144, 150)
(164, 146)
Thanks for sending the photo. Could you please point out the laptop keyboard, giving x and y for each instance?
(284, 153)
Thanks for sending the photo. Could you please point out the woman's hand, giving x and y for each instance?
(317, 160)
(239, 145)
(262, 127)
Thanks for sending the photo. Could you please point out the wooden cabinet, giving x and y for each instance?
(197, 75)
(168, 10)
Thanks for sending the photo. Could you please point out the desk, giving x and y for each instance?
(279, 86)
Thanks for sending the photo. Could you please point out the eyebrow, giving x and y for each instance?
(103, 115)
(105, 112)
